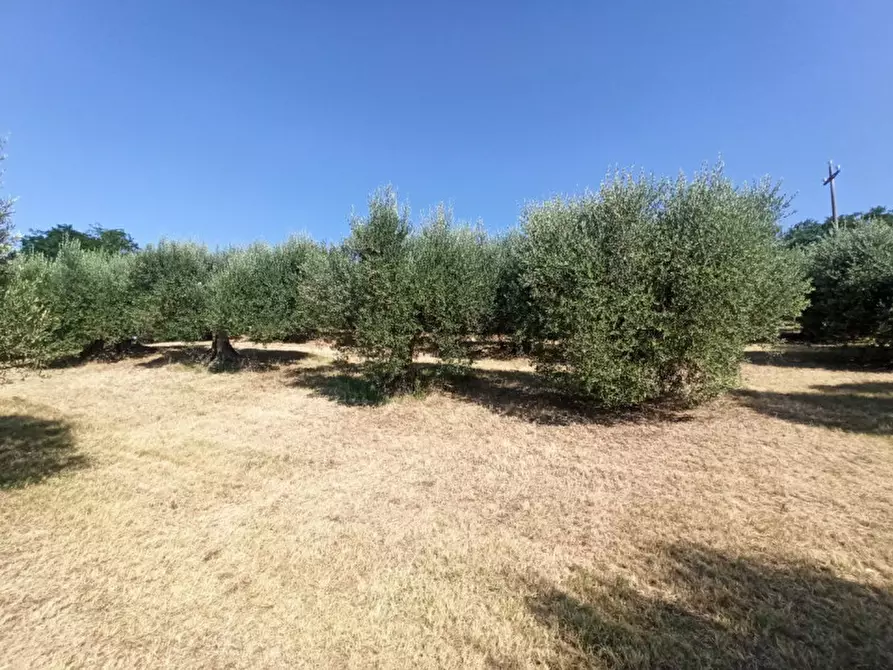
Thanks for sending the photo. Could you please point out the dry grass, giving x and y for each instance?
(156, 515)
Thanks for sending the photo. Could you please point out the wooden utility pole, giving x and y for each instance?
(832, 173)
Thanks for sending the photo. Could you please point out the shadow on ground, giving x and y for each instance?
(99, 354)
(824, 357)
(338, 382)
(514, 393)
(858, 408)
(33, 449)
(700, 608)
(526, 395)
(254, 359)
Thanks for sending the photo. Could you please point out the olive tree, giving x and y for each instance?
(852, 276)
(74, 304)
(651, 289)
(513, 314)
(381, 316)
(169, 285)
(27, 326)
(265, 292)
(454, 284)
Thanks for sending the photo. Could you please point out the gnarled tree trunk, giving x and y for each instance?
(222, 352)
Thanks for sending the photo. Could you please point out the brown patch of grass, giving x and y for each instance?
(249, 521)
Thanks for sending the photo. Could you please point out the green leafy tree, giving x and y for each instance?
(454, 284)
(588, 266)
(381, 312)
(265, 292)
(327, 289)
(48, 242)
(651, 289)
(852, 277)
(169, 285)
(809, 231)
(75, 303)
(88, 292)
(804, 233)
(513, 314)
(27, 325)
(722, 280)
(113, 240)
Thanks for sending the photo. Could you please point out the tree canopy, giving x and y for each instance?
(645, 290)
(809, 231)
(97, 238)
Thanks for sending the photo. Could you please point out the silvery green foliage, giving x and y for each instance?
(513, 314)
(62, 306)
(330, 277)
(268, 292)
(852, 276)
(27, 326)
(588, 269)
(89, 293)
(651, 289)
(381, 314)
(169, 285)
(454, 284)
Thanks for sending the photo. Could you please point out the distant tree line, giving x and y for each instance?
(809, 231)
(645, 289)
(97, 238)
(851, 272)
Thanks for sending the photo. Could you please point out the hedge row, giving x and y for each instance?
(645, 289)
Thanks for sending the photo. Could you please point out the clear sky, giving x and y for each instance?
(232, 121)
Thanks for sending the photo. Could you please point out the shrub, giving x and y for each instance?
(724, 280)
(650, 289)
(513, 314)
(454, 284)
(264, 292)
(328, 290)
(27, 326)
(64, 306)
(88, 292)
(852, 276)
(169, 284)
(381, 309)
(589, 272)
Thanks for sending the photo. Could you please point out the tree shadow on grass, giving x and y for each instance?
(253, 359)
(32, 449)
(703, 609)
(513, 393)
(862, 358)
(339, 382)
(527, 396)
(97, 353)
(857, 408)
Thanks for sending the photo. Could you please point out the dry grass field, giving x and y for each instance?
(156, 515)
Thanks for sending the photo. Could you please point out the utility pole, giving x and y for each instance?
(832, 173)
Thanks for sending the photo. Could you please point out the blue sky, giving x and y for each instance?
(228, 122)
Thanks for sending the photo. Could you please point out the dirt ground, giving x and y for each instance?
(156, 515)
